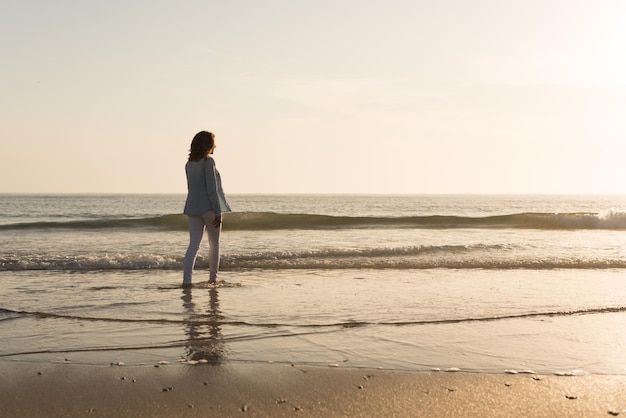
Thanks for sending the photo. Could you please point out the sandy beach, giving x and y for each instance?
(272, 390)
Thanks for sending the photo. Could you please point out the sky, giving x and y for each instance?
(367, 96)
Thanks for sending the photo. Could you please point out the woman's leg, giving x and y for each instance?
(196, 230)
(214, 245)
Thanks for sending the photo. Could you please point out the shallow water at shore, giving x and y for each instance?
(478, 283)
(476, 320)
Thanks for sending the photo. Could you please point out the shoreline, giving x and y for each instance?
(254, 389)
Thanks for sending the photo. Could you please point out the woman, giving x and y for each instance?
(204, 206)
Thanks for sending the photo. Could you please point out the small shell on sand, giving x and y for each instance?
(570, 373)
(453, 369)
(519, 371)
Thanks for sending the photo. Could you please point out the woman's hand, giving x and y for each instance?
(217, 221)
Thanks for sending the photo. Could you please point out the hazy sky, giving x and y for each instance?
(364, 96)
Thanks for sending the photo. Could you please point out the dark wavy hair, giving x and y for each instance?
(201, 145)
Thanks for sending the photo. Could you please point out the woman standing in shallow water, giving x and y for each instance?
(204, 205)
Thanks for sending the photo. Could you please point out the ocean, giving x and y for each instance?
(485, 284)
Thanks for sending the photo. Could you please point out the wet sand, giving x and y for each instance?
(274, 390)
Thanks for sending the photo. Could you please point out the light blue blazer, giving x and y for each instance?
(204, 189)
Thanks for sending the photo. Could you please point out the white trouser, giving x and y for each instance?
(197, 225)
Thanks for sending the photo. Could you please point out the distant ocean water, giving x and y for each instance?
(482, 283)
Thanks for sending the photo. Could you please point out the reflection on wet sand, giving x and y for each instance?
(203, 328)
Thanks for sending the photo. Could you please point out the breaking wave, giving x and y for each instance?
(260, 221)
(478, 256)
